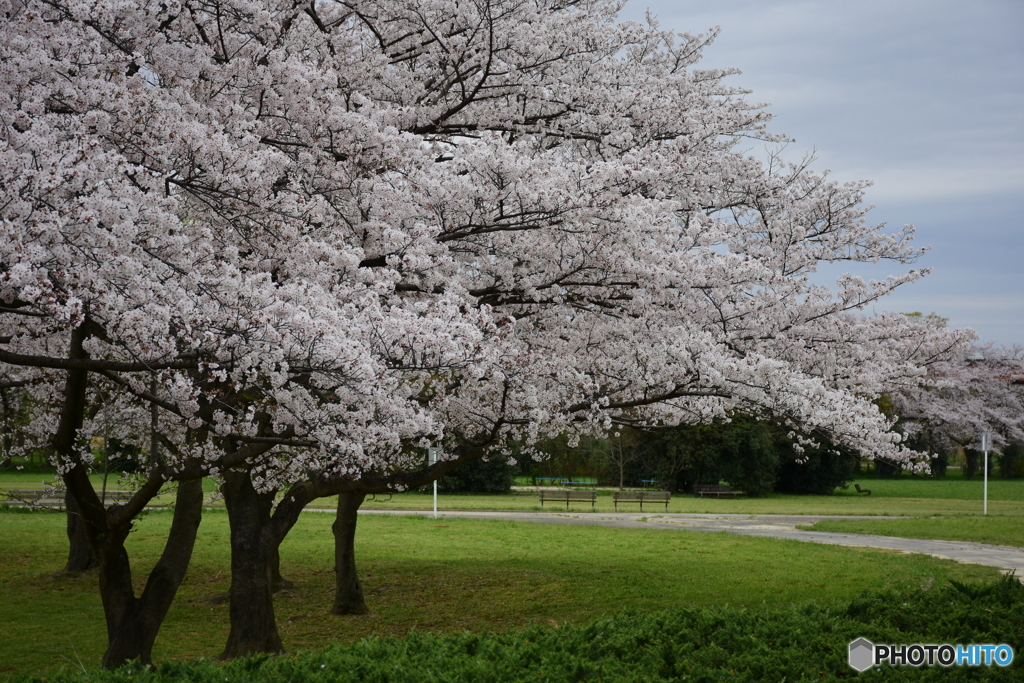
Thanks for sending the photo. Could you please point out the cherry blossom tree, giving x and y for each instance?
(318, 236)
(107, 270)
(964, 397)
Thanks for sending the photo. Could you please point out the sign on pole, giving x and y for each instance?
(432, 454)
(984, 451)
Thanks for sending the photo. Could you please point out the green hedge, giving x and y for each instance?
(805, 644)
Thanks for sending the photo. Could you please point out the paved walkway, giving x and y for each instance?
(1005, 558)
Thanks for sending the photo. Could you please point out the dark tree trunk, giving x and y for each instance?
(348, 592)
(277, 582)
(253, 626)
(81, 555)
(887, 470)
(7, 442)
(973, 462)
(133, 623)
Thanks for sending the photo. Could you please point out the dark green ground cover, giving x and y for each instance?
(795, 644)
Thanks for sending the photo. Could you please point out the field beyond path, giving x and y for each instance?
(1005, 558)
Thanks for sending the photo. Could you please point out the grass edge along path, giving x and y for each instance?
(1007, 531)
(794, 644)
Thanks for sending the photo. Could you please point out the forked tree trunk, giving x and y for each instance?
(133, 623)
(253, 625)
(81, 555)
(348, 592)
(277, 582)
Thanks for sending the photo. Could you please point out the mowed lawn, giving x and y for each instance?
(901, 497)
(995, 530)
(437, 575)
(906, 496)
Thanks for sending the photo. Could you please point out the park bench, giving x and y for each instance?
(860, 490)
(716, 491)
(54, 500)
(641, 497)
(569, 497)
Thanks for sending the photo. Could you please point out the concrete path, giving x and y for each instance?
(1005, 558)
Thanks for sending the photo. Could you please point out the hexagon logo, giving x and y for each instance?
(862, 654)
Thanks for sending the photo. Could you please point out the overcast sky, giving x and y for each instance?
(925, 98)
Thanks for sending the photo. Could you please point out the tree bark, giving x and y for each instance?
(133, 623)
(253, 625)
(81, 555)
(973, 458)
(7, 442)
(348, 592)
(277, 582)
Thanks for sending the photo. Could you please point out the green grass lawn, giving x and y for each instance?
(907, 496)
(916, 503)
(889, 497)
(38, 479)
(996, 530)
(436, 575)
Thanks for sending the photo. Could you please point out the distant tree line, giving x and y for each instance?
(754, 455)
(747, 453)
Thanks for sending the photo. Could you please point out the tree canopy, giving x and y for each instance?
(340, 224)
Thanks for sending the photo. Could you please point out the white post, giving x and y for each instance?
(431, 459)
(984, 449)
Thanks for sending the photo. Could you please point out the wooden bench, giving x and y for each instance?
(569, 497)
(641, 497)
(54, 500)
(860, 490)
(716, 491)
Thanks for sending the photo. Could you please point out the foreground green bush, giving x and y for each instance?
(683, 645)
